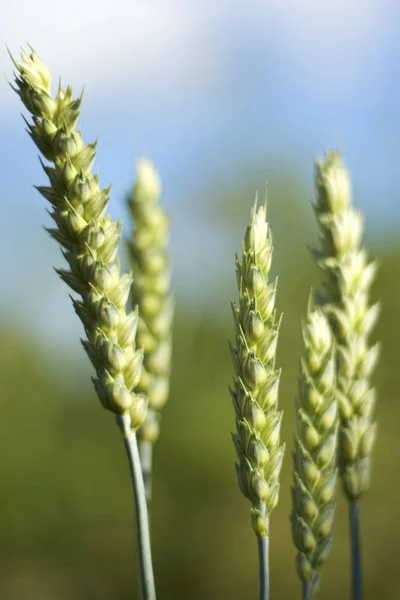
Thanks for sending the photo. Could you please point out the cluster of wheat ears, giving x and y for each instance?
(130, 348)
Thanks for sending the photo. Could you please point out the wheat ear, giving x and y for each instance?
(314, 457)
(256, 382)
(151, 292)
(90, 242)
(345, 297)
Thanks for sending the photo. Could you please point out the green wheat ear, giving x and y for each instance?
(90, 245)
(151, 292)
(89, 239)
(345, 299)
(314, 458)
(256, 380)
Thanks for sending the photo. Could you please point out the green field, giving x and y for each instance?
(66, 528)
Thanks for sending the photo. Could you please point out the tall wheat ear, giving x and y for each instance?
(314, 457)
(347, 278)
(256, 382)
(151, 291)
(90, 241)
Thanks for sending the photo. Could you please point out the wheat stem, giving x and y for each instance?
(263, 555)
(307, 591)
(356, 562)
(146, 460)
(145, 561)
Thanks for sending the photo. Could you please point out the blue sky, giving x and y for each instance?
(203, 89)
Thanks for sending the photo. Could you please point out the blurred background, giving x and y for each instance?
(222, 96)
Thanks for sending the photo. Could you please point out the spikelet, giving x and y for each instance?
(89, 239)
(151, 292)
(314, 457)
(256, 380)
(345, 298)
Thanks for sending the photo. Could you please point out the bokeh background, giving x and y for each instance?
(222, 96)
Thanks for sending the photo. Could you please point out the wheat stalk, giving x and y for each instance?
(256, 382)
(151, 291)
(345, 298)
(90, 243)
(314, 458)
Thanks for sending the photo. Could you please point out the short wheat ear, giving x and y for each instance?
(314, 456)
(90, 242)
(345, 299)
(151, 292)
(255, 384)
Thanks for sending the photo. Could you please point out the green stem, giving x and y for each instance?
(263, 549)
(145, 561)
(146, 461)
(307, 591)
(354, 522)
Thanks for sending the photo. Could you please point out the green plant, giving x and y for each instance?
(151, 292)
(256, 381)
(314, 457)
(90, 243)
(131, 351)
(345, 299)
